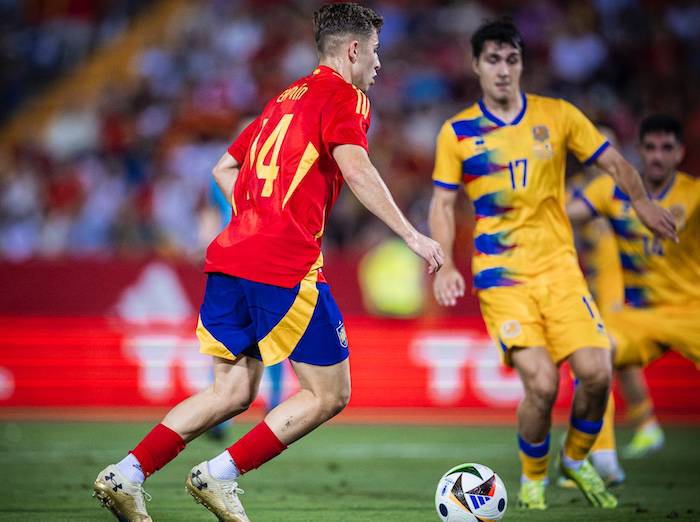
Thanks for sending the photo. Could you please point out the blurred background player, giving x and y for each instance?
(509, 151)
(661, 277)
(266, 298)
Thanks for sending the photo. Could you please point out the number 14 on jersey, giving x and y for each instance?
(270, 171)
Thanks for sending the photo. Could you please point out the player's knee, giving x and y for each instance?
(595, 382)
(543, 389)
(232, 401)
(343, 398)
(244, 400)
(333, 403)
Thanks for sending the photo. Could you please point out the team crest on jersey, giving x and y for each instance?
(511, 329)
(678, 213)
(540, 133)
(542, 148)
(342, 336)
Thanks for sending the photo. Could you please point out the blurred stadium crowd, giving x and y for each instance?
(131, 173)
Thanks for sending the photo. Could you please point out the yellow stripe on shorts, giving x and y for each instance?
(283, 338)
(209, 345)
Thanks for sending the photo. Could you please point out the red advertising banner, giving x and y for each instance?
(439, 365)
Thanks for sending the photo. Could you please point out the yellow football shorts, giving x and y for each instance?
(554, 310)
(641, 335)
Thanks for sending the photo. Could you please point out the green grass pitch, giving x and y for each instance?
(338, 473)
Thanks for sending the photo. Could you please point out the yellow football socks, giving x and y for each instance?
(534, 458)
(580, 438)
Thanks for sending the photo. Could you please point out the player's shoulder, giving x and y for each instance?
(346, 94)
(686, 189)
(686, 182)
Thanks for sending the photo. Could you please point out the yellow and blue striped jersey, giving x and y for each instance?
(655, 271)
(514, 176)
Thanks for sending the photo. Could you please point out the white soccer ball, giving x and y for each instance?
(471, 493)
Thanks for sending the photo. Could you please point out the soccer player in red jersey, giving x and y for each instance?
(266, 298)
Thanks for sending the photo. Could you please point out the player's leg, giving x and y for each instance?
(644, 335)
(325, 391)
(636, 334)
(217, 432)
(514, 322)
(604, 451)
(575, 332)
(592, 368)
(540, 378)
(119, 486)
(648, 437)
(234, 390)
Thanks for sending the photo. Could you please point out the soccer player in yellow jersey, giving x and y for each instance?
(661, 278)
(509, 152)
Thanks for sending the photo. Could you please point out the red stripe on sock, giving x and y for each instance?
(255, 448)
(159, 447)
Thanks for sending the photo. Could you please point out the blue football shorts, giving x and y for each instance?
(271, 323)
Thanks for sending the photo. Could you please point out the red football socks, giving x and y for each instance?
(159, 447)
(255, 448)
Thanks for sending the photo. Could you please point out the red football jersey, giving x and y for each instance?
(288, 180)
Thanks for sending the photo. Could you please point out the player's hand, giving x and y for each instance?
(427, 249)
(659, 220)
(448, 286)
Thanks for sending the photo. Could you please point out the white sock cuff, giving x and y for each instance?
(222, 467)
(130, 467)
(570, 463)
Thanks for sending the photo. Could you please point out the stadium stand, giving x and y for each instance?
(130, 172)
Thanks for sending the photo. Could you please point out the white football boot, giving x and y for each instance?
(125, 499)
(218, 496)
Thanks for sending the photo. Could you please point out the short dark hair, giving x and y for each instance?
(502, 31)
(661, 123)
(332, 21)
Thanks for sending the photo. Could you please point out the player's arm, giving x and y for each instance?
(660, 221)
(369, 188)
(225, 173)
(449, 283)
(226, 170)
